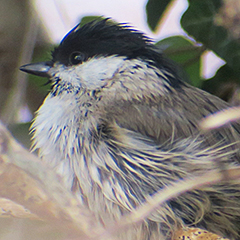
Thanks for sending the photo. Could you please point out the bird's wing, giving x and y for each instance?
(172, 117)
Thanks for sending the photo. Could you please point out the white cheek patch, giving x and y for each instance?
(91, 73)
(94, 71)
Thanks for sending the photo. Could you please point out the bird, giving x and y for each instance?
(120, 123)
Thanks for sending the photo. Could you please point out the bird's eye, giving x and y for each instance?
(76, 58)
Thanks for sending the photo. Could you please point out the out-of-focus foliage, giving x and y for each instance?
(88, 19)
(155, 10)
(215, 25)
(204, 21)
(224, 84)
(186, 53)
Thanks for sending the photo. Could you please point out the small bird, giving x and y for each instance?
(120, 123)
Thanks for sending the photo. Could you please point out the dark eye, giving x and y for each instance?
(76, 58)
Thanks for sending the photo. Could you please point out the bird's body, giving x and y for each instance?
(119, 125)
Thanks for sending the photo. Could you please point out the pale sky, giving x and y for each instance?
(60, 16)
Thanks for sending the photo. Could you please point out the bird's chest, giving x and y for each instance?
(62, 132)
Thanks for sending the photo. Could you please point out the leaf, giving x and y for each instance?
(223, 84)
(200, 21)
(88, 19)
(155, 10)
(186, 54)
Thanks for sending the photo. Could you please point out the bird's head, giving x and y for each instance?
(90, 57)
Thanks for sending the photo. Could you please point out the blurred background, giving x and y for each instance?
(202, 36)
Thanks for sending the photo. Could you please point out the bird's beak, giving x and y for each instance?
(39, 69)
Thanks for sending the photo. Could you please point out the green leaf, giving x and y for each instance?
(223, 83)
(88, 19)
(186, 54)
(200, 21)
(155, 10)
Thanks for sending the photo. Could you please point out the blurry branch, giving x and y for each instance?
(18, 91)
(220, 118)
(11, 209)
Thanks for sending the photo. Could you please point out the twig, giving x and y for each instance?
(220, 118)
